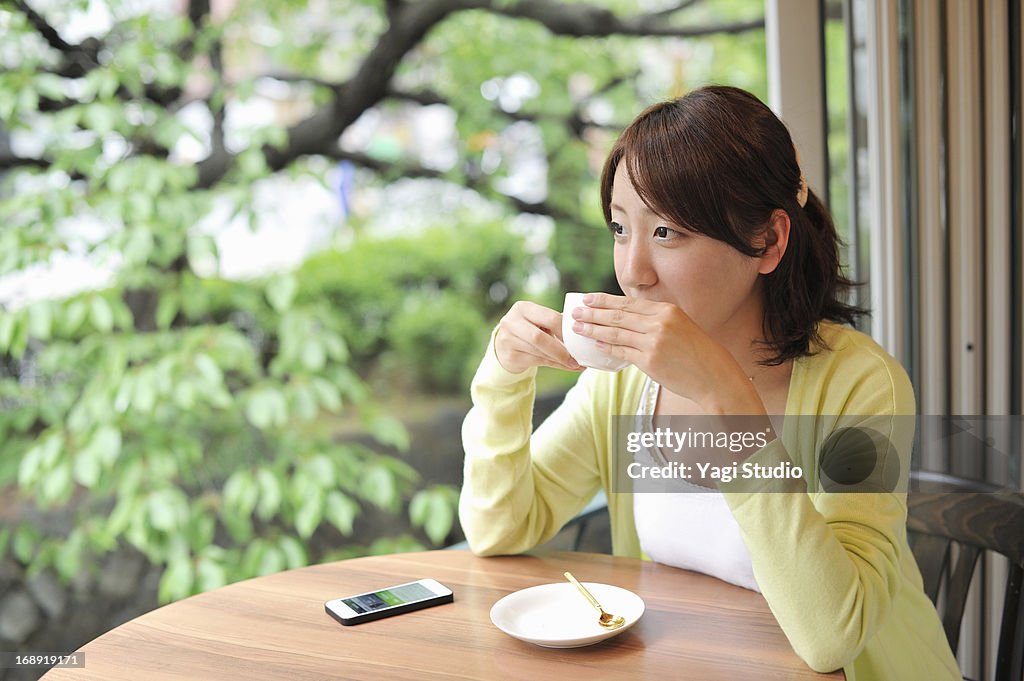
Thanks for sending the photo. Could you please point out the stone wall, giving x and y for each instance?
(42, 615)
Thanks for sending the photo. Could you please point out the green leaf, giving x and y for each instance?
(46, 553)
(208, 369)
(68, 558)
(177, 580)
(40, 459)
(87, 468)
(26, 539)
(140, 242)
(57, 485)
(266, 408)
(269, 494)
(40, 320)
(378, 486)
(272, 560)
(120, 177)
(101, 117)
(321, 469)
(100, 314)
(201, 529)
(167, 310)
(185, 395)
(314, 357)
(310, 514)
(209, 574)
(434, 511)
(241, 493)
(419, 508)
(388, 430)
(145, 393)
(335, 346)
(341, 511)
(293, 551)
(251, 163)
(123, 399)
(8, 322)
(126, 509)
(167, 510)
(327, 393)
(73, 317)
(107, 443)
(202, 252)
(102, 451)
(304, 403)
(252, 557)
(281, 291)
(19, 339)
(50, 85)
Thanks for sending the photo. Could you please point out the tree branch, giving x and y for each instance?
(582, 20)
(78, 60)
(422, 97)
(49, 33)
(298, 78)
(9, 160)
(409, 24)
(393, 8)
(669, 11)
(406, 169)
(575, 121)
(383, 167)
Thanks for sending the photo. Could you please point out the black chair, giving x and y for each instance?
(944, 510)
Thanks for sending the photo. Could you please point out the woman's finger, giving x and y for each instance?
(542, 317)
(545, 346)
(624, 303)
(616, 317)
(535, 332)
(612, 335)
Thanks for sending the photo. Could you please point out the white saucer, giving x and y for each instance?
(558, 616)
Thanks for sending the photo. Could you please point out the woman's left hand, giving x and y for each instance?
(664, 343)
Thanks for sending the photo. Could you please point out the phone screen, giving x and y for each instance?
(386, 598)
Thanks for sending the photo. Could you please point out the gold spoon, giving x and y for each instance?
(606, 620)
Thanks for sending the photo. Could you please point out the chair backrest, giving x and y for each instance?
(944, 511)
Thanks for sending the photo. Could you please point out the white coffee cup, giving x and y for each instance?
(584, 350)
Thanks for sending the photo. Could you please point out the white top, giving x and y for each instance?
(690, 530)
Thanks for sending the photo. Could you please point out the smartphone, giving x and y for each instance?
(394, 600)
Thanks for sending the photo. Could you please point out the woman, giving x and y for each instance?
(733, 306)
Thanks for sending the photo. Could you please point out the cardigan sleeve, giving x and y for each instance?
(520, 489)
(828, 562)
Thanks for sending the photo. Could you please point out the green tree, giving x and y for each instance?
(179, 414)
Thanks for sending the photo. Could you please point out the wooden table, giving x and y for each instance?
(275, 627)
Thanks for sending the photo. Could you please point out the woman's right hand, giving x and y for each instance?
(530, 335)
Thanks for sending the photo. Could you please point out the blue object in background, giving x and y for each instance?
(346, 183)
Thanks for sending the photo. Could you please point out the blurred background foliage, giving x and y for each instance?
(174, 387)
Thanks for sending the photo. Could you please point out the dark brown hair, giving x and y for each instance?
(718, 161)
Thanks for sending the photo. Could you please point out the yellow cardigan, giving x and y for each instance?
(835, 568)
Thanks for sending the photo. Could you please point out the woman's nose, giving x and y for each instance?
(636, 270)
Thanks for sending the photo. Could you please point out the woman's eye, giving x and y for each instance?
(662, 232)
(616, 228)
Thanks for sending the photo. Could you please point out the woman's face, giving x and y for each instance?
(713, 283)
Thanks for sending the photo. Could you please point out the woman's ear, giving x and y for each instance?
(776, 239)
